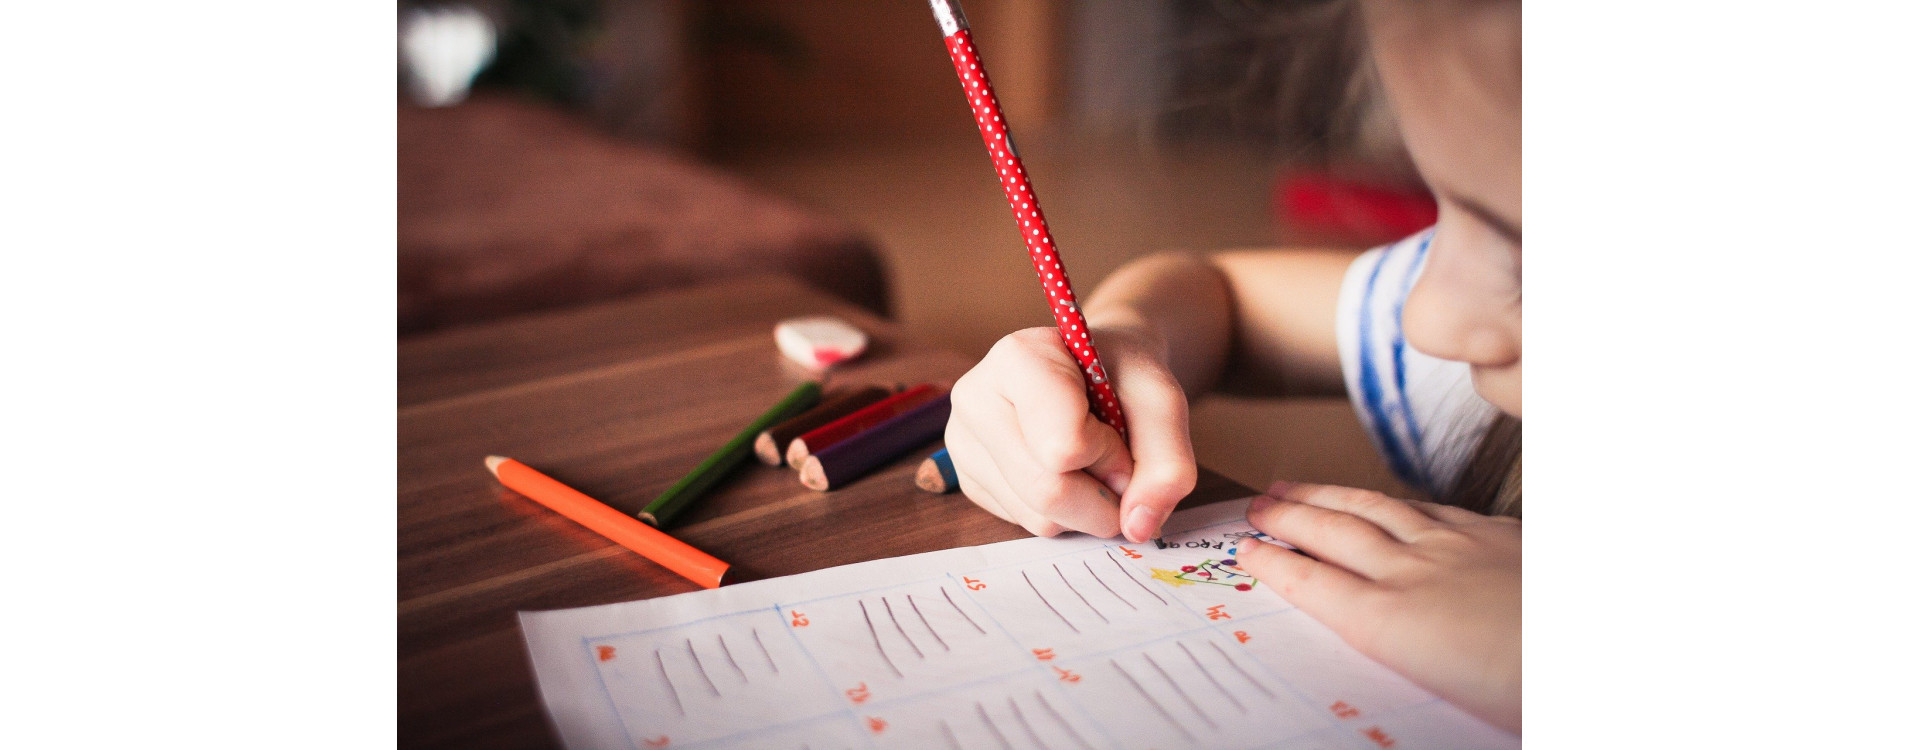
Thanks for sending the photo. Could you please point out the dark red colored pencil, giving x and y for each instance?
(852, 458)
(845, 427)
(771, 446)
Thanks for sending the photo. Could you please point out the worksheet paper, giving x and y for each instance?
(1070, 642)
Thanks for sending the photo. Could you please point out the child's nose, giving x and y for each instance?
(1461, 322)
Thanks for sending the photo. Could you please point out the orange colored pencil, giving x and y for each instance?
(624, 530)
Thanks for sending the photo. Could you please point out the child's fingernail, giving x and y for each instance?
(1280, 488)
(1259, 503)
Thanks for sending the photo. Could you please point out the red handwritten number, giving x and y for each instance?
(1066, 675)
(800, 620)
(1218, 612)
(875, 725)
(660, 741)
(606, 653)
(1378, 736)
(858, 694)
(1130, 553)
(1242, 635)
(1043, 654)
(974, 584)
(1342, 710)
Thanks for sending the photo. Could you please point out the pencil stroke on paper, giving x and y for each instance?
(1055, 713)
(1076, 592)
(667, 678)
(1136, 581)
(1208, 673)
(730, 660)
(1164, 714)
(963, 613)
(903, 631)
(876, 640)
(1021, 717)
(1175, 684)
(1242, 670)
(764, 652)
(1103, 584)
(929, 625)
(991, 727)
(702, 668)
(1043, 600)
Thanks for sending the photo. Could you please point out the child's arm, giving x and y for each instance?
(1262, 318)
(1025, 446)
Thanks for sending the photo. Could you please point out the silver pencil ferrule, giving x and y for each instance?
(947, 12)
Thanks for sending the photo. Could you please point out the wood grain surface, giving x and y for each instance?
(618, 400)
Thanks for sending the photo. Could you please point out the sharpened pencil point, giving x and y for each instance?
(766, 449)
(928, 477)
(494, 462)
(813, 475)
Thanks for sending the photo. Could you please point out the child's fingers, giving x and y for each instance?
(965, 452)
(1049, 400)
(1043, 502)
(1342, 539)
(998, 456)
(1015, 511)
(1321, 590)
(1164, 472)
(1397, 517)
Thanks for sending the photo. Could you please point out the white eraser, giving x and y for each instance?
(819, 342)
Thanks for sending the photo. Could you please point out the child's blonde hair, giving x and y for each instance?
(1490, 483)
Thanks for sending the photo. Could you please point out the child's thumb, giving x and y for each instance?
(1164, 471)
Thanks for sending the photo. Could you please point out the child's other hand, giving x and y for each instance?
(1027, 449)
(1431, 591)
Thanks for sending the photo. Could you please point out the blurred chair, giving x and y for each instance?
(507, 206)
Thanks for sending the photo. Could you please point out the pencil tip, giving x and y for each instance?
(928, 477)
(767, 449)
(494, 462)
(813, 475)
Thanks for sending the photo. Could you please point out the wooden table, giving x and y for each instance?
(619, 400)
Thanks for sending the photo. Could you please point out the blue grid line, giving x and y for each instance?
(819, 671)
(602, 679)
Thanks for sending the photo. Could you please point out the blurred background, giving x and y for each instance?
(561, 152)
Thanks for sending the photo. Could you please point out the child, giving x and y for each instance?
(1411, 332)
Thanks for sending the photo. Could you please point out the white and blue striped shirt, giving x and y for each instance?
(1421, 411)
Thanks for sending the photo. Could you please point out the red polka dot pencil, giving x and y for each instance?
(1026, 211)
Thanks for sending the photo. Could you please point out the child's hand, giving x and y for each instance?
(1026, 448)
(1431, 591)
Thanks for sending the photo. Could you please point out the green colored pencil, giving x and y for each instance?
(661, 511)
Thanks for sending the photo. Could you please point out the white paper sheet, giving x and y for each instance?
(1071, 642)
